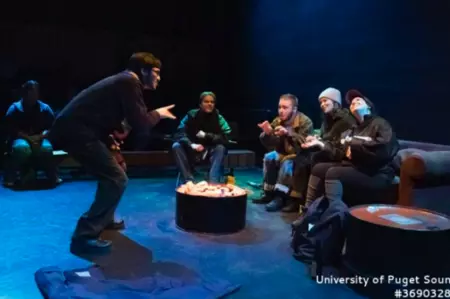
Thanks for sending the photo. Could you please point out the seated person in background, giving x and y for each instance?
(367, 150)
(283, 137)
(336, 121)
(202, 133)
(27, 123)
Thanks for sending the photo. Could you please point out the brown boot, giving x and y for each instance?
(292, 205)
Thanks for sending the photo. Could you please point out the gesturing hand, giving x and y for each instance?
(201, 134)
(280, 131)
(165, 113)
(266, 127)
(346, 140)
(310, 138)
(348, 153)
(197, 147)
(313, 143)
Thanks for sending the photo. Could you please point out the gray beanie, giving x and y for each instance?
(332, 94)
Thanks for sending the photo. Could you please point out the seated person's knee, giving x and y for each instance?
(46, 147)
(321, 169)
(21, 149)
(220, 148)
(271, 156)
(333, 174)
(177, 146)
(288, 166)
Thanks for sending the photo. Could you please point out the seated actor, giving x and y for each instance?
(28, 121)
(367, 150)
(203, 133)
(336, 121)
(284, 137)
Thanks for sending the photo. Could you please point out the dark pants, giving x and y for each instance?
(112, 180)
(25, 156)
(329, 178)
(186, 158)
(302, 170)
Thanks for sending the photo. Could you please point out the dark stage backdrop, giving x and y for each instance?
(248, 53)
(397, 52)
(66, 60)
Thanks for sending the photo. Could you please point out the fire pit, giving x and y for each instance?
(207, 208)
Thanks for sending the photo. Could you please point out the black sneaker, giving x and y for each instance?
(276, 204)
(265, 199)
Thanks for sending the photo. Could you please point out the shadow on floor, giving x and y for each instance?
(129, 260)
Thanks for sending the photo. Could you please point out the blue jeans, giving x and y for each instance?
(26, 155)
(185, 159)
(97, 159)
(277, 174)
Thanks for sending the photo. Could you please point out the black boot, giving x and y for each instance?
(277, 203)
(266, 198)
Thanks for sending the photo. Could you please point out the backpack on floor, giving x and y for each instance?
(321, 230)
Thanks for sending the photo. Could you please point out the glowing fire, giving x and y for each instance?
(211, 190)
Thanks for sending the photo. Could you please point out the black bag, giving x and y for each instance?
(324, 224)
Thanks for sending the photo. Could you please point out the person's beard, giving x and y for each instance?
(290, 116)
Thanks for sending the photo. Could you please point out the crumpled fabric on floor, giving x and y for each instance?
(55, 283)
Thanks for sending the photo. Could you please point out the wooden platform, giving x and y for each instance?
(235, 158)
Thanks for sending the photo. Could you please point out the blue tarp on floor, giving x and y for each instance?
(55, 283)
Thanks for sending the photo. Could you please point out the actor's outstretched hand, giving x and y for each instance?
(165, 113)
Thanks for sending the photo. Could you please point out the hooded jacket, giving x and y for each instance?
(335, 123)
(213, 124)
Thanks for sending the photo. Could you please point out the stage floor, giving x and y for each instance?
(35, 229)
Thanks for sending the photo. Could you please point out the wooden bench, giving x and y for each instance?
(236, 158)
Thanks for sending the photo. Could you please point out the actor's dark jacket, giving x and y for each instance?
(98, 110)
(372, 156)
(333, 126)
(30, 122)
(335, 123)
(213, 124)
(299, 127)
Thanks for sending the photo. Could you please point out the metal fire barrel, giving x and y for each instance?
(213, 215)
